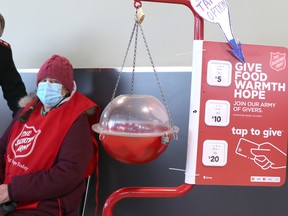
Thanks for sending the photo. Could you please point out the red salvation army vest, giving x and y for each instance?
(34, 145)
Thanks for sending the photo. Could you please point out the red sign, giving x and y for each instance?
(238, 119)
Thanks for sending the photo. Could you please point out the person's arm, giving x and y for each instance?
(67, 173)
(11, 82)
(4, 196)
(3, 146)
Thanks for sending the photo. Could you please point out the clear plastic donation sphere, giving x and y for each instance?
(135, 129)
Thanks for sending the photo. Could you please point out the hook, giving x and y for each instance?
(137, 4)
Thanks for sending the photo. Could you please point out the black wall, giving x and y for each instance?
(98, 84)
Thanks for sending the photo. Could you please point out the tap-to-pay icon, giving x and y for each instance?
(265, 155)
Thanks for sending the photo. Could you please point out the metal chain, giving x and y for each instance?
(135, 28)
(134, 59)
(156, 75)
(123, 63)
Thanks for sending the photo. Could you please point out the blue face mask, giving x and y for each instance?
(49, 93)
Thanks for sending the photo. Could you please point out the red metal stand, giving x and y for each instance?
(141, 192)
(153, 192)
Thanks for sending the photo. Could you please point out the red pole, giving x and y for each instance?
(142, 192)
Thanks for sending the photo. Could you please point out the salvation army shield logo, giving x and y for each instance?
(24, 143)
(278, 61)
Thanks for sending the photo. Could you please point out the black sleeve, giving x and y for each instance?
(10, 80)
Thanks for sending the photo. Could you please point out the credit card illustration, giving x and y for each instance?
(244, 147)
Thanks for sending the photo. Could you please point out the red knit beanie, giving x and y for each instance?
(57, 67)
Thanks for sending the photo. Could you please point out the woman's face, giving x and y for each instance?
(64, 91)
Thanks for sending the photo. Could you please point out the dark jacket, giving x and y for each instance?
(10, 80)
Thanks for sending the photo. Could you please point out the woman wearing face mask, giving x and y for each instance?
(47, 150)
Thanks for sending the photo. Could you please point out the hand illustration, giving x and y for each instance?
(265, 155)
(268, 156)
